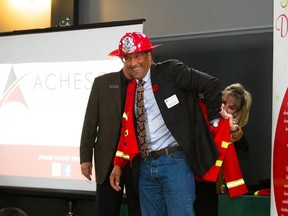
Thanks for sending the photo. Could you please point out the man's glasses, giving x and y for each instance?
(137, 57)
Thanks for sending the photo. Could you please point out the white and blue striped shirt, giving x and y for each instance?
(158, 135)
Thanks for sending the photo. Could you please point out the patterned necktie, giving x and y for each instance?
(141, 118)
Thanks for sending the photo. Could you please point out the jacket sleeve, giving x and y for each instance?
(200, 82)
(89, 130)
(228, 160)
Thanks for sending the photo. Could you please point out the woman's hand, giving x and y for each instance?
(115, 178)
(233, 126)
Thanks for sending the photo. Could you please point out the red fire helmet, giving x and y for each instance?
(133, 42)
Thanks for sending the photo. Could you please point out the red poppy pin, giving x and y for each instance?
(155, 88)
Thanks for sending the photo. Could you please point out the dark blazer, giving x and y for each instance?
(101, 125)
(242, 147)
(185, 120)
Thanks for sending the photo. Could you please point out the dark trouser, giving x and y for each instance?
(108, 201)
(206, 202)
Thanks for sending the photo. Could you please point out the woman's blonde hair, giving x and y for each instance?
(242, 100)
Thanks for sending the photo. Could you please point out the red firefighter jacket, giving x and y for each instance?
(127, 147)
(228, 159)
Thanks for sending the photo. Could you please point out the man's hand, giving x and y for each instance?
(86, 169)
(115, 178)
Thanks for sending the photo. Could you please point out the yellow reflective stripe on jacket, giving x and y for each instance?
(218, 163)
(225, 144)
(122, 155)
(236, 183)
(125, 116)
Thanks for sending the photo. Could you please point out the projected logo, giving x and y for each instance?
(61, 169)
(12, 91)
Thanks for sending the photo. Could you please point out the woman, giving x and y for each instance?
(236, 103)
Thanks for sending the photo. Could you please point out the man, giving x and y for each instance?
(100, 135)
(178, 139)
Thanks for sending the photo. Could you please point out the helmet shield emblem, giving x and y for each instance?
(128, 45)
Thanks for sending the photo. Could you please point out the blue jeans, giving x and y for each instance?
(166, 186)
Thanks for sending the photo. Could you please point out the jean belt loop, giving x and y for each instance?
(166, 151)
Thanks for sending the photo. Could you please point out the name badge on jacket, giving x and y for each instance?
(171, 101)
(113, 86)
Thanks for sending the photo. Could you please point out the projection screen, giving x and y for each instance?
(45, 82)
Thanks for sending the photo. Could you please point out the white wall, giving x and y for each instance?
(170, 17)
